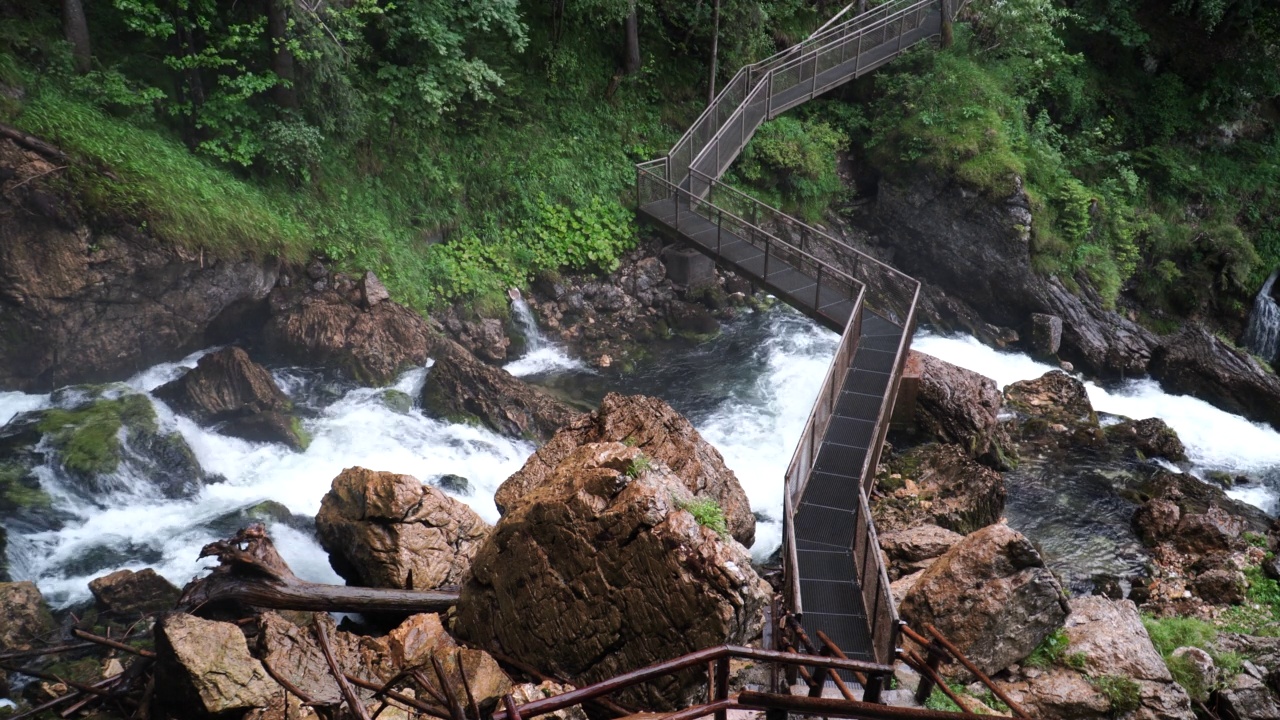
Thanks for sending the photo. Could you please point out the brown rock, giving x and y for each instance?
(1111, 636)
(225, 384)
(1055, 397)
(1059, 694)
(991, 595)
(1196, 362)
(372, 346)
(597, 572)
(272, 427)
(387, 530)
(1204, 533)
(1156, 520)
(287, 706)
(1248, 698)
(126, 592)
(656, 429)
(528, 692)
(294, 654)
(206, 665)
(1221, 586)
(372, 291)
(417, 638)
(918, 543)
(959, 406)
(949, 489)
(1046, 334)
(26, 616)
(459, 386)
(1151, 438)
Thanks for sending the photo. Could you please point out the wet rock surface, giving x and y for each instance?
(228, 387)
(206, 665)
(125, 592)
(1196, 362)
(654, 428)
(27, 619)
(387, 530)
(941, 485)
(991, 595)
(93, 301)
(599, 571)
(460, 387)
(958, 406)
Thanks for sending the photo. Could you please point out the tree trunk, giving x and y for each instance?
(715, 51)
(76, 28)
(281, 58)
(947, 33)
(251, 572)
(631, 58)
(863, 6)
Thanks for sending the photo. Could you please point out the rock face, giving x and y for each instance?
(26, 617)
(656, 429)
(1053, 397)
(486, 338)
(958, 406)
(978, 250)
(941, 485)
(914, 549)
(387, 530)
(991, 595)
(125, 592)
(1196, 362)
(459, 386)
(1150, 438)
(599, 571)
(207, 665)
(93, 302)
(1113, 640)
(334, 326)
(227, 387)
(1046, 334)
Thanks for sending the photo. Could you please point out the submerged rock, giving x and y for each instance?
(227, 387)
(652, 426)
(599, 570)
(1150, 438)
(991, 595)
(387, 530)
(460, 387)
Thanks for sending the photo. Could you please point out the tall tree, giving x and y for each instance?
(76, 29)
(281, 56)
(715, 51)
(631, 49)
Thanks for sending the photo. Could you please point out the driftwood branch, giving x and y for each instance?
(32, 142)
(251, 572)
(353, 701)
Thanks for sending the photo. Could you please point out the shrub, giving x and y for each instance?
(708, 513)
(1122, 692)
(640, 465)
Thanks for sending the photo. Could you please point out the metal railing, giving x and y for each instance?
(687, 182)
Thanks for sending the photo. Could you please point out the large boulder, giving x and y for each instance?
(461, 387)
(991, 595)
(205, 666)
(600, 570)
(92, 297)
(1054, 397)
(1197, 362)
(333, 328)
(1112, 639)
(1150, 438)
(915, 548)
(959, 406)
(27, 620)
(387, 530)
(939, 485)
(125, 592)
(656, 429)
(228, 387)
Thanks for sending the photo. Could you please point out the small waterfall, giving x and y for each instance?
(534, 340)
(1262, 336)
(541, 355)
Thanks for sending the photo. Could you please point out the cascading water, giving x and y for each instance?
(1262, 336)
(541, 355)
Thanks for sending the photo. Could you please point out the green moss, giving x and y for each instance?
(396, 401)
(1049, 651)
(304, 437)
(88, 438)
(18, 489)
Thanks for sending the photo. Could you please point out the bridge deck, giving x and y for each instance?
(825, 517)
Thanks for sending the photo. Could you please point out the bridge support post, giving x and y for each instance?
(874, 687)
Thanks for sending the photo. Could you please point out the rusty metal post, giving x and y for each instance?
(875, 685)
(722, 686)
(936, 654)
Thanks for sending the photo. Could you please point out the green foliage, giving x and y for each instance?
(18, 489)
(708, 513)
(1122, 692)
(1050, 650)
(88, 438)
(1169, 634)
(939, 701)
(1257, 540)
(798, 160)
(639, 465)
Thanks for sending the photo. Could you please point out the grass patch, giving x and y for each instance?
(1050, 650)
(1169, 634)
(1123, 693)
(639, 465)
(708, 513)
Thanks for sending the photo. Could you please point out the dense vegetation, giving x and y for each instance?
(458, 148)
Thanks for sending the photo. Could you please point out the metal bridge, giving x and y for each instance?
(836, 581)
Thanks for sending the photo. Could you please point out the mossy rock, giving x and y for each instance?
(87, 438)
(266, 513)
(20, 489)
(396, 401)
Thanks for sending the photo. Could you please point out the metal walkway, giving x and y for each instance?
(836, 579)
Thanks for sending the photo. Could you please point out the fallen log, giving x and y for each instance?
(251, 572)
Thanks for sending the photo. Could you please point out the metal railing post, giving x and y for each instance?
(767, 244)
(719, 228)
(857, 59)
(817, 292)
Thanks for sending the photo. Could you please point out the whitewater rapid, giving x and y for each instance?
(749, 392)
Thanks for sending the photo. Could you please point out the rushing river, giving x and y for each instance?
(749, 392)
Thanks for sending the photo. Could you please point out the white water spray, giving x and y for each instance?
(1262, 336)
(541, 355)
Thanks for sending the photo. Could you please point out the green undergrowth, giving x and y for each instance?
(1169, 634)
